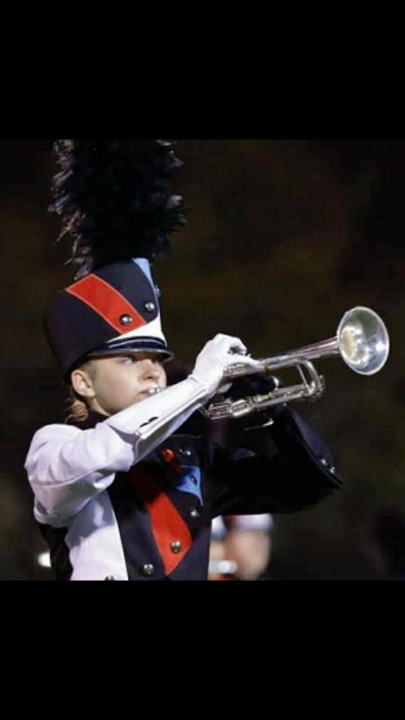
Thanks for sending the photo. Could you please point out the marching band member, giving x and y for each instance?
(119, 492)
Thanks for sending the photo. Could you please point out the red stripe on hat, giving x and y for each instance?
(168, 526)
(107, 302)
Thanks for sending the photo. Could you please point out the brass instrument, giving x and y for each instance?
(361, 340)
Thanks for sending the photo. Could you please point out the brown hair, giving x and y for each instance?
(77, 407)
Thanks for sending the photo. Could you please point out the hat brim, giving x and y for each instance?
(119, 347)
(141, 345)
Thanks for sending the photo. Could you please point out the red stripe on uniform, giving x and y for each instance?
(107, 302)
(168, 526)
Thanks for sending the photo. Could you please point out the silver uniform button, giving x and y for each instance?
(149, 306)
(331, 468)
(175, 547)
(185, 451)
(125, 319)
(147, 569)
(195, 513)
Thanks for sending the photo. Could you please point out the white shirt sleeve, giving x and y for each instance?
(66, 466)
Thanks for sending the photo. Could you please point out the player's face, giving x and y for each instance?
(113, 383)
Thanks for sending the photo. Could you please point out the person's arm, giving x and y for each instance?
(285, 464)
(67, 466)
(294, 471)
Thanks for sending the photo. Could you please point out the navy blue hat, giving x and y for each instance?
(114, 199)
(112, 310)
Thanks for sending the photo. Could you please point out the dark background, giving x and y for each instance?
(283, 237)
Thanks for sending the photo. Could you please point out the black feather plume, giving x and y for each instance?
(114, 199)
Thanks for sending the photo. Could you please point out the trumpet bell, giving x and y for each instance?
(363, 340)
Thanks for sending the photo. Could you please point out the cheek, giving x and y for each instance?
(115, 387)
(119, 393)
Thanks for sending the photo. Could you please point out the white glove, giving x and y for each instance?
(215, 357)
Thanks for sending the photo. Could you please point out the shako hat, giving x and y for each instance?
(114, 200)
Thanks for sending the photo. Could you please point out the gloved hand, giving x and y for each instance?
(256, 384)
(215, 357)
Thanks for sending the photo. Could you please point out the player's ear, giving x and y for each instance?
(82, 383)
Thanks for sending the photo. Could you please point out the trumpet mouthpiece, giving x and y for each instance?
(155, 390)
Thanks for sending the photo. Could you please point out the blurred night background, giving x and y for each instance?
(283, 237)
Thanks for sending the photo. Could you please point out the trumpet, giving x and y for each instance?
(361, 340)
